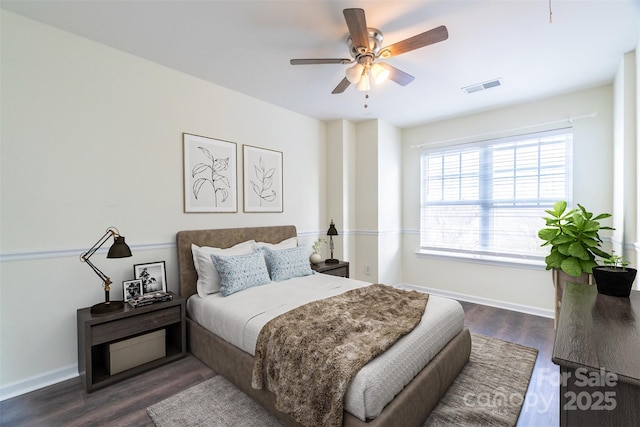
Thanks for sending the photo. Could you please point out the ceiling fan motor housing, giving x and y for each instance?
(375, 44)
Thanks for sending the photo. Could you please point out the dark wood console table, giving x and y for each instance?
(597, 347)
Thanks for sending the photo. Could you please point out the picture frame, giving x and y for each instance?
(210, 174)
(152, 275)
(262, 178)
(131, 289)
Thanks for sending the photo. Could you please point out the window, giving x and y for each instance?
(488, 198)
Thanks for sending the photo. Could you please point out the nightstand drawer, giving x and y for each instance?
(340, 271)
(340, 268)
(132, 325)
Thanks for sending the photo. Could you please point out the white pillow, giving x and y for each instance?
(289, 243)
(208, 278)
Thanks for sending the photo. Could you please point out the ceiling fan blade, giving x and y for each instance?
(320, 61)
(342, 86)
(357, 25)
(416, 42)
(397, 75)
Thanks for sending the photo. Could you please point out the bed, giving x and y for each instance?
(410, 407)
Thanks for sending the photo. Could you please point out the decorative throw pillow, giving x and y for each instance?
(208, 279)
(240, 272)
(287, 263)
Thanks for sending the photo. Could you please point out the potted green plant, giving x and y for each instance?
(574, 239)
(614, 278)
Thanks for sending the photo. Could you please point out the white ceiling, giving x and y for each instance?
(246, 46)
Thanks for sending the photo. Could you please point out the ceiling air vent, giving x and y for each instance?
(483, 86)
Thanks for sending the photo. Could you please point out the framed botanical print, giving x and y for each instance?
(262, 176)
(210, 170)
(152, 275)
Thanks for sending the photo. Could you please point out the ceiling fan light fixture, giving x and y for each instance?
(354, 73)
(379, 73)
(365, 46)
(363, 84)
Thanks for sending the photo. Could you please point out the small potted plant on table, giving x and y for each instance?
(315, 257)
(614, 278)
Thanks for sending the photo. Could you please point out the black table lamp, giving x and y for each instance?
(332, 232)
(119, 249)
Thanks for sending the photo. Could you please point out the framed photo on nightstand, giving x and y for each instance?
(131, 288)
(153, 276)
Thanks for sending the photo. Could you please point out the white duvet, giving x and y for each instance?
(238, 319)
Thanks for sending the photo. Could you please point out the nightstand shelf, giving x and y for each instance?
(96, 333)
(340, 268)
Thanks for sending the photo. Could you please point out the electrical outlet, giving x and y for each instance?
(367, 270)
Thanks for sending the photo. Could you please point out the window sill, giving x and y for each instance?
(501, 261)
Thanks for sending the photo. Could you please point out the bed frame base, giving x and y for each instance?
(410, 407)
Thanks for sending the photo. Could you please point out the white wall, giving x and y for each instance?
(339, 194)
(636, 244)
(366, 195)
(368, 158)
(92, 137)
(523, 288)
(625, 141)
(389, 204)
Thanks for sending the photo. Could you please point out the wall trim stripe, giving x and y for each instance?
(64, 253)
(76, 252)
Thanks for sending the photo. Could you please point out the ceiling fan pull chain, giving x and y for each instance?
(550, 13)
(366, 96)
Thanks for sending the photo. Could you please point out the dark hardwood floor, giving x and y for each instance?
(122, 404)
(125, 403)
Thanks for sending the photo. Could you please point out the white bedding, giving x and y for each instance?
(238, 318)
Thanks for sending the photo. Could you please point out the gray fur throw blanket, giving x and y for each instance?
(308, 356)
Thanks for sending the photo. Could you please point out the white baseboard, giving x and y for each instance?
(481, 300)
(37, 382)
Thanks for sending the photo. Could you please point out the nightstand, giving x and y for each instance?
(96, 333)
(338, 269)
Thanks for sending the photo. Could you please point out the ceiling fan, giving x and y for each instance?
(365, 47)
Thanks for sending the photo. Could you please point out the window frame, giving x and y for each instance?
(490, 255)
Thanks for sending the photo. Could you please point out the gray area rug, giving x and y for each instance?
(489, 391)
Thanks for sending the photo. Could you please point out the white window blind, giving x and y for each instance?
(489, 197)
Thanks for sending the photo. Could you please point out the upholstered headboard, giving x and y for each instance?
(220, 238)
